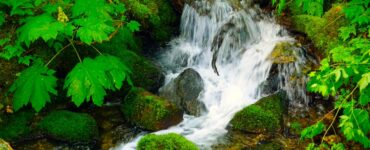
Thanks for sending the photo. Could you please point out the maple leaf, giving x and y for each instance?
(43, 26)
(34, 86)
(90, 78)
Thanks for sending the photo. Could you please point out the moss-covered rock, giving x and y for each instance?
(283, 53)
(5, 145)
(169, 141)
(148, 111)
(69, 126)
(16, 126)
(263, 116)
(156, 16)
(269, 146)
(323, 31)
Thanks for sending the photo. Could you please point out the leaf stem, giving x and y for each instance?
(74, 48)
(60, 51)
(96, 49)
(336, 114)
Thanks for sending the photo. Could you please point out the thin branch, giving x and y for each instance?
(96, 49)
(336, 114)
(65, 47)
(74, 48)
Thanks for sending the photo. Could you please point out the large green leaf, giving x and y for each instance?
(34, 86)
(90, 78)
(43, 26)
(93, 30)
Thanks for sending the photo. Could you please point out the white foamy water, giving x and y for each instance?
(242, 39)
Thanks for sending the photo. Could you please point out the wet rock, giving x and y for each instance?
(265, 116)
(5, 145)
(165, 141)
(16, 127)
(148, 111)
(262, 3)
(118, 135)
(184, 91)
(69, 126)
(283, 53)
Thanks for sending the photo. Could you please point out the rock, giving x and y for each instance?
(118, 135)
(165, 141)
(264, 116)
(69, 126)
(16, 126)
(184, 91)
(148, 111)
(5, 145)
(283, 53)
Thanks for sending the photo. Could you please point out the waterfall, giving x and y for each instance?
(239, 41)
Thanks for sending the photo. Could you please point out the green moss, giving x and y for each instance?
(169, 141)
(323, 31)
(157, 16)
(4, 145)
(263, 116)
(255, 119)
(269, 146)
(16, 126)
(149, 111)
(69, 126)
(283, 53)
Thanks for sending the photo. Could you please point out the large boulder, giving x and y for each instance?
(264, 116)
(148, 111)
(184, 91)
(283, 53)
(165, 141)
(69, 126)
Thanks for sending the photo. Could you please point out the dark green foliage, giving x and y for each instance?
(169, 141)
(16, 126)
(69, 126)
(149, 111)
(156, 15)
(33, 86)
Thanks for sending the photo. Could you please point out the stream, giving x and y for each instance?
(239, 41)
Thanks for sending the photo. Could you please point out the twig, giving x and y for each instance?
(65, 47)
(74, 48)
(96, 49)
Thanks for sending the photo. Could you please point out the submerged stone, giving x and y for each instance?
(261, 117)
(171, 141)
(148, 111)
(69, 126)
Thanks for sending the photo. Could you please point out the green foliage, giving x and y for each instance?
(69, 126)
(16, 126)
(169, 141)
(90, 78)
(33, 86)
(59, 25)
(313, 130)
(310, 7)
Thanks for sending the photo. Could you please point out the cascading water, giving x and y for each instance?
(239, 41)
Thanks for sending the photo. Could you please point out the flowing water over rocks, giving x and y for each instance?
(230, 49)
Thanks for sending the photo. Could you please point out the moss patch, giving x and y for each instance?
(5, 145)
(149, 111)
(156, 16)
(263, 116)
(169, 141)
(283, 53)
(69, 126)
(16, 126)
